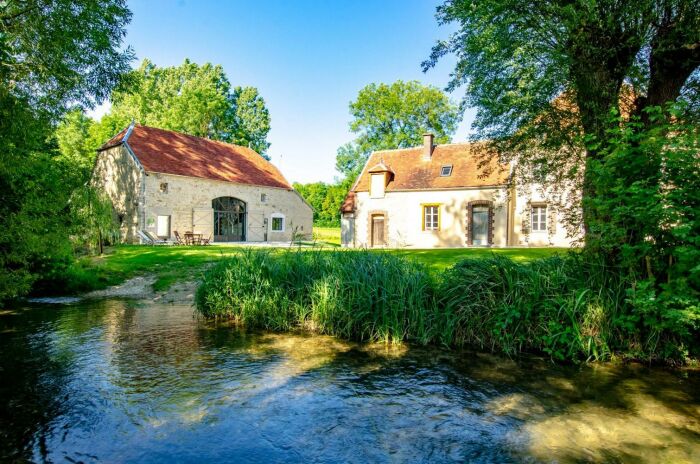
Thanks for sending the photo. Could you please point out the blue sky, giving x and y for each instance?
(308, 59)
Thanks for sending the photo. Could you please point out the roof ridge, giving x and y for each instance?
(421, 146)
(198, 137)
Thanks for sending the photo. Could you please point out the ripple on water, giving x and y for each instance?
(127, 381)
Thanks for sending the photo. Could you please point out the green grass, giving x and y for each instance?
(438, 260)
(170, 264)
(327, 235)
(177, 263)
(559, 305)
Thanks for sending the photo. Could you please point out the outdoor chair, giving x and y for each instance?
(178, 239)
(206, 241)
(149, 240)
(156, 240)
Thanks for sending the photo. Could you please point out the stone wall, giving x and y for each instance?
(119, 176)
(188, 202)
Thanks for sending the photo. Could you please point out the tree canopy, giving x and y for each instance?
(54, 54)
(598, 97)
(194, 99)
(388, 116)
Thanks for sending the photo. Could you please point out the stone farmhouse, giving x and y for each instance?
(163, 181)
(440, 196)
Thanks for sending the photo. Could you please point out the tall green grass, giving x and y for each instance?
(567, 306)
(352, 294)
(560, 305)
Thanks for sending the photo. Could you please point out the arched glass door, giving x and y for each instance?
(229, 219)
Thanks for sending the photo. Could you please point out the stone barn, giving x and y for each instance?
(163, 181)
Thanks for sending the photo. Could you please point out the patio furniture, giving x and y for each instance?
(206, 241)
(145, 238)
(158, 240)
(192, 238)
(179, 240)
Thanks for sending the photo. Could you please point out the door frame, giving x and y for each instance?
(470, 231)
(370, 228)
(242, 218)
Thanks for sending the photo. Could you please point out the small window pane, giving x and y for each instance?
(431, 217)
(539, 218)
(277, 224)
(263, 197)
(446, 170)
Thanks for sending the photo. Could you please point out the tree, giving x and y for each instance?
(388, 116)
(196, 100)
(72, 137)
(350, 160)
(54, 54)
(550, 73)
(602, 95)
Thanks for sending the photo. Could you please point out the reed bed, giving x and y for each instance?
(563, 306)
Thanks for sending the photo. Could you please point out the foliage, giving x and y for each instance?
(349, 161)
(397, 115)
(54, 54)
(388, 300)
(325, 199)
(388, 116)
(652, 225)
(570, 307)
(194, 99)
(544, 76)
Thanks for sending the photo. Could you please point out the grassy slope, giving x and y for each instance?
(169, 263)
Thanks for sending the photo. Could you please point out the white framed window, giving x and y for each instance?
(431, 217)
(277, 222)
(446, 170)
(163, 226)
(539, 218)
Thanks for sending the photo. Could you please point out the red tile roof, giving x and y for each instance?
(170, 152)
(471, 167)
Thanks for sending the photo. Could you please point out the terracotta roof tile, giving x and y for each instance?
(412, 172)
(170, 152)
(348, 205)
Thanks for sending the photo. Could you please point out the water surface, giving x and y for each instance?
(118, 381)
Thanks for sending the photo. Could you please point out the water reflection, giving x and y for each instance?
(123, 382)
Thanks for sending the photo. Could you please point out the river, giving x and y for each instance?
(137, 381)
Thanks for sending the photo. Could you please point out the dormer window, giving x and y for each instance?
(446, 170)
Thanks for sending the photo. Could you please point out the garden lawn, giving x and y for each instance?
(171, 264)
(327, 235)
(438, 260)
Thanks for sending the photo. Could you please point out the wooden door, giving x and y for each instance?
(378, 238)
(480, 225)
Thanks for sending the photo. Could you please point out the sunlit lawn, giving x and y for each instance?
(176, 263)
(438, 260)
(328, 235)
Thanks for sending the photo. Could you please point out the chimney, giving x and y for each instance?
(427, 146)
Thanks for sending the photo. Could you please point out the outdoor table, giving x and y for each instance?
(193, 239)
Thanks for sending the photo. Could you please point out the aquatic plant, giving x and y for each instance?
(570, 307)
(359, 295)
